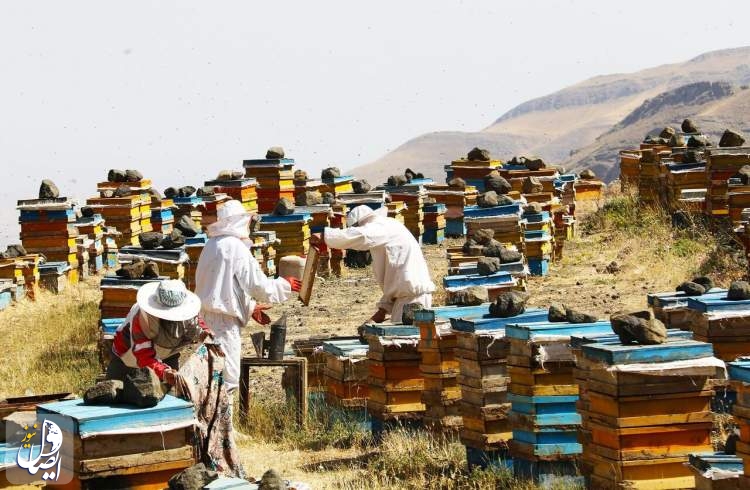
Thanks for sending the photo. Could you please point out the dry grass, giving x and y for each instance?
(49, 345)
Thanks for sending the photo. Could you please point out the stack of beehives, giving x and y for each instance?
(275, 179)
(672, 307)
(22, 273)
(455, 200)
(264, 250)
(292, 231)
(190, 207)
(121, 446)
(739, 375)
(630, 169)
(395, 379)
(738, 199)
(505, 221)
(723, 322)
(721, 164)
(439, 367)
(647, 409)
(83, 243)
(538, 241)
(48, 228)
(650, 189)
(320, 219)
(345, 373)
(312, 350)
(686, 186)
(111, 251)
(171, 263)
(543, 396)
(125, 206)
(434, 224)
(413, 198)
(396, 210)
(564, 223)
(93, 228)
(193, 248)
(162, 215)
(240, 189)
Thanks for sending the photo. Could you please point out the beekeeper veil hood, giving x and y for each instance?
(232, 220)
(362, 214)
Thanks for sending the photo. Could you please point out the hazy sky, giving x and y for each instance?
(182, 89)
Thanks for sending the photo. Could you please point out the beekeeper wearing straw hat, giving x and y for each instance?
(397, 259)
(232, 286)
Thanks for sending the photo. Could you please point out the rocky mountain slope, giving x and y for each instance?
(574, 125)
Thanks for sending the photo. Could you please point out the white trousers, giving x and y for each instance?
(398, 306)
(227, 334)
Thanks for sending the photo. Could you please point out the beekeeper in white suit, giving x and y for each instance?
(397, 259)
(232, 286)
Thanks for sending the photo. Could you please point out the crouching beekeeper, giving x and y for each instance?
(397, 260)
(232, 286)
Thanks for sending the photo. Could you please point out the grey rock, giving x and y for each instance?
(116, 175)
(495, 182)
(676, 140)
(478, 155)
(744, 174)
(533, 208)
(504, 201)
(532, 185)
(133, 175)
(457, 182)
(187, 226)
(472, 248)
(155, 193)
(186, 191)
(410, 174)
(175, 239)
(308, 198)
(704, 281)
(150, 270)
(731, 138)
(471, 296)
(205, 191)
(690, 156)
(397, 180)
(170, 192)
(107, 193)
(655, 140)
(506, 256)
(691, 288)
(575, 316)
(534, 163)
(15, 250)
(328, 198)
(508, 304)
(150, 239)
(361, 186)
(667, 132)
(634, 329)
(48, 190)
(483, 236)
(587, 174)
(271, 481)
(194, 478)
(105, 392)
(134, 270)
(407, 317)
(739, 290)
(275, 153)
(557, 313)
(330, 173)
(688, 127)
(142, 388)
(122, 191)
(488, 199)
(698, 141)
(488, 265)
(300, 176)
(730, 445)
(283, 207)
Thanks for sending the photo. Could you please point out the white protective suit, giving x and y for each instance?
(397, 260)
(229, 281)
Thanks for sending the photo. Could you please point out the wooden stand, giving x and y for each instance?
(298, 368)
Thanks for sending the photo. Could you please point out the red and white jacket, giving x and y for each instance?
(136, 350)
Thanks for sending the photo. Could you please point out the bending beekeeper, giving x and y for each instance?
(232, 286)
(397, 259)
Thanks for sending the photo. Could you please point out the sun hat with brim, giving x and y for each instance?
(169, 300)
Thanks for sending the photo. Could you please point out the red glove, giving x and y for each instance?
(259, 314)
(294, 282)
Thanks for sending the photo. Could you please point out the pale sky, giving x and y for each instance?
(183, 89)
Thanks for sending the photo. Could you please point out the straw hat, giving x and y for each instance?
(168, 300)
